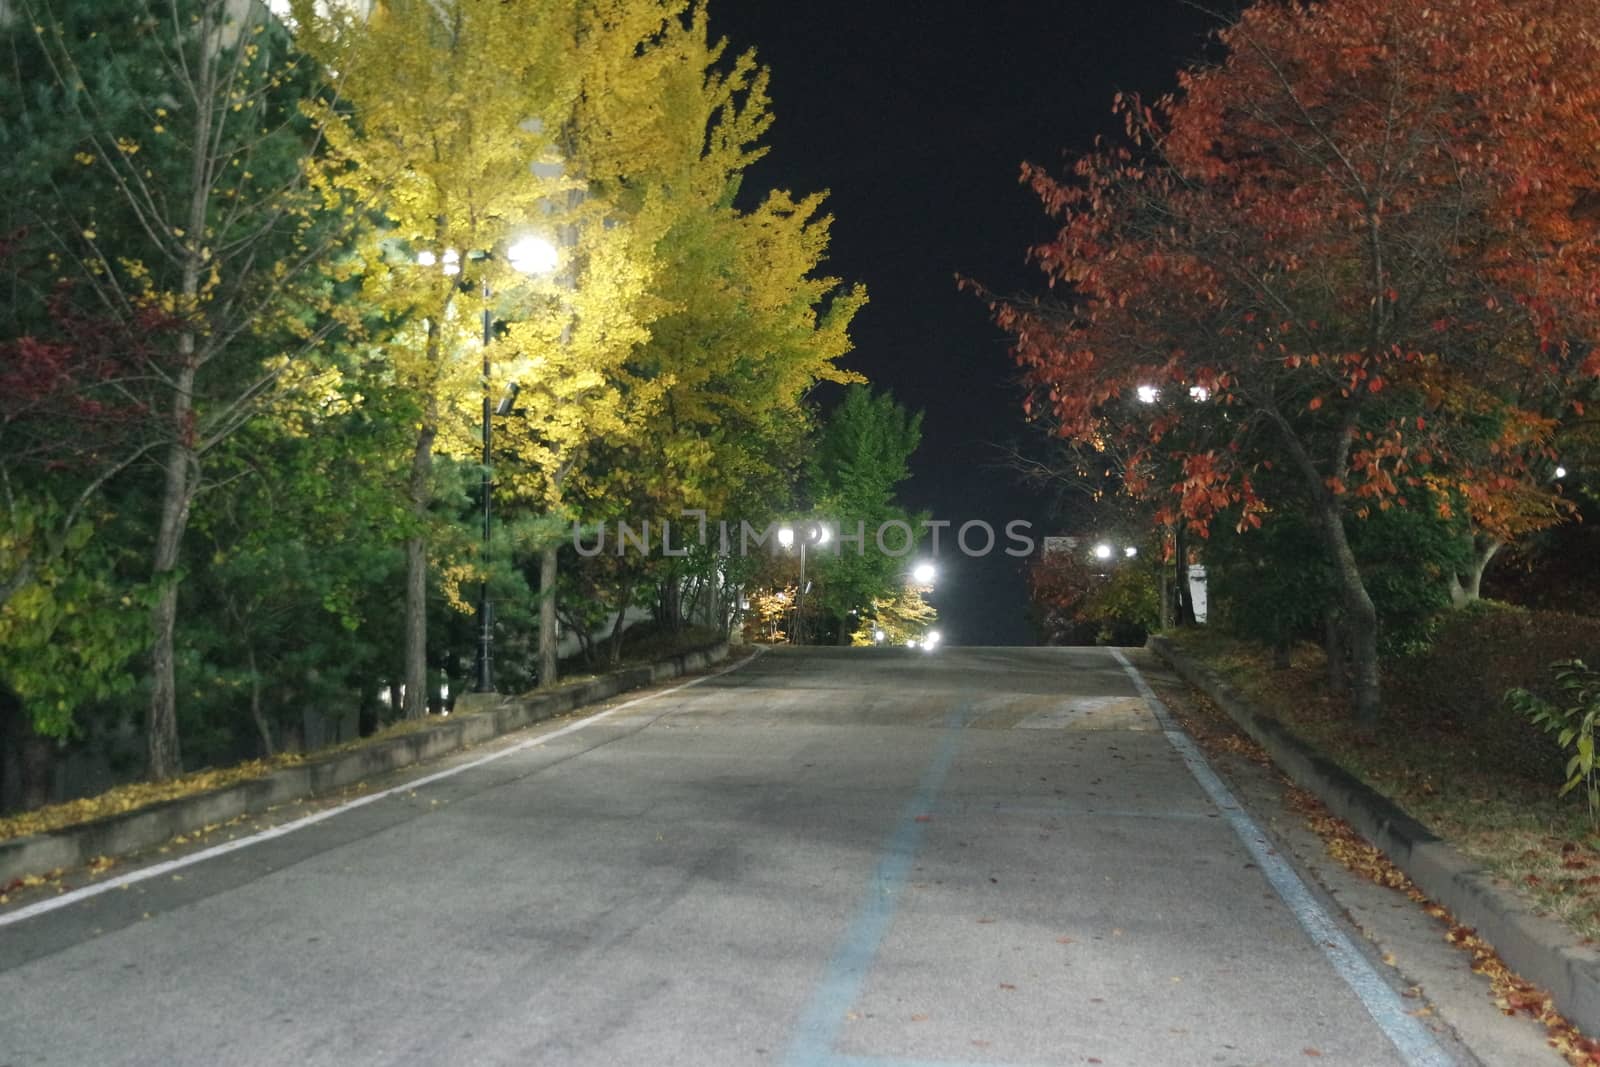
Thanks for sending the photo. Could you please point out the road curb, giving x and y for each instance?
(118, 835)
(1539, 949)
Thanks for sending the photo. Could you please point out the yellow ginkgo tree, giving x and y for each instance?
(750, 323)
(458, 119)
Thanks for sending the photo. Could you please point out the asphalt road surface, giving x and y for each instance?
(822, 857)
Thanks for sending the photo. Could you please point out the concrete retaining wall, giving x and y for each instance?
(1541, 950)
(118, 835)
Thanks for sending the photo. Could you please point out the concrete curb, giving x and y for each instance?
(117, 835)
(1541, 950)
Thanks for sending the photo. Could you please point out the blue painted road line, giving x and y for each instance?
(840, 985)
(1415, 1044)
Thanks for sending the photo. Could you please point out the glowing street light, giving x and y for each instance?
(787, 536)
(924, 574)
(1199, 393)
(1561, 472)
(877, 637)
(1130, 552)
(533, 255)
(930, 640)
(1102, 551)
(1148, 394)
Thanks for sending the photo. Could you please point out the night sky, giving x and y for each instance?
(916, 117)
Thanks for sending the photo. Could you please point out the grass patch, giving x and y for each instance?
(1449, 753)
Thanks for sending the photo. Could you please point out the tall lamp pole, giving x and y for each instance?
(529, 255)
(787, 537)
(485, 671)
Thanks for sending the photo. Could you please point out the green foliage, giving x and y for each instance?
(1124, 605)
(1268, 585)
(66, 637)
(858, 463)
(1572, 722)
(1272, 584)
(1075, 599)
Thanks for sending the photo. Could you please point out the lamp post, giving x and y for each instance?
(529, 256)
(787, 538)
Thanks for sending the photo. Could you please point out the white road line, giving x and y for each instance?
(157, 870)
(1415, 1044)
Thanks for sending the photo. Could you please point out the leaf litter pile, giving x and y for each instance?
(1512, 994)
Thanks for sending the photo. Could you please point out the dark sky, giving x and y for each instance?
(917, 116)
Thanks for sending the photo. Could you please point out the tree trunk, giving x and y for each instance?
(1333, 645)
(416, 608)
(1470, 590)
(163, 757)
(626, 601)
(547, 616)
(1361, 619)
(1185, 606)
(36, 760)
(257, 714)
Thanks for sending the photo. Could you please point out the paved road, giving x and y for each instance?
(869, 857)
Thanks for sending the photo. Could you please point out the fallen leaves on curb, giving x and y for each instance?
(1511, 993)
(135, 795)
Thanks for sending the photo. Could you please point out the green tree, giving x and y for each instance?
(161, 169)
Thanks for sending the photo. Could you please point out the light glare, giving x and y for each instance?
(1148, 394)
(1102, 551)
(533, 255)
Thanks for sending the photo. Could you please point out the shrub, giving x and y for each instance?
(1572, 722)
(1476, 655)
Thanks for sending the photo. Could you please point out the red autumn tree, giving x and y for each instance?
(73, 415)
(1359, 252)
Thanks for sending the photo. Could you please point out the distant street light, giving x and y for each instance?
(924, 573)
(1561, 472)
(1148, 394)
(877, 637)
(1130, 552)
(1102, 551)
(787, 536)
(931, 639)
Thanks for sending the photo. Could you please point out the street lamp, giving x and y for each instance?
(526, 255)
(787, 538)
(1102, 551)
(924, 574)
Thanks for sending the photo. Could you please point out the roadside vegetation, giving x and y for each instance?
(274, 272)
(1324, 323)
